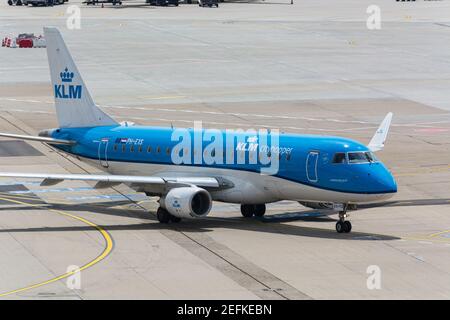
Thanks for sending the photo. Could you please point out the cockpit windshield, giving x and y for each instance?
(361, 157)
(371, 157)
(354, 157)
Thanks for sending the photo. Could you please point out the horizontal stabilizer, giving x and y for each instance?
(37, 138)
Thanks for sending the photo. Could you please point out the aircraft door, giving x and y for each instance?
(311, 166)
(103, 152)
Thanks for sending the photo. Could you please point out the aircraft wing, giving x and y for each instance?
(105, 181)
(380, 136)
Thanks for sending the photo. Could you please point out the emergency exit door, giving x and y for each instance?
(103, 152)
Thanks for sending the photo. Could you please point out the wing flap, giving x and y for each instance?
(105, 181)
(85, 177)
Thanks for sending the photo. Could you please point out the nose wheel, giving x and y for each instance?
(343, 226)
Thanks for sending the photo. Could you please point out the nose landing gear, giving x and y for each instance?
(343, 225)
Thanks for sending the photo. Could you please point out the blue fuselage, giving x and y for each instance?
(323, 162)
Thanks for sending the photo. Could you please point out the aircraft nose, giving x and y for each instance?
(386, 181)
(390, 185)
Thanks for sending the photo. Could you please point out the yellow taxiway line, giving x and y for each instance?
(106, 251)
(431, 237)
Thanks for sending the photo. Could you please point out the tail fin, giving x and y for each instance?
(73, 103)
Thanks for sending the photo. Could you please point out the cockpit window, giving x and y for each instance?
(339, 157)
(371, 157)
(361, 157)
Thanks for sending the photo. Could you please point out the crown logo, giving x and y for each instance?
(66, 76)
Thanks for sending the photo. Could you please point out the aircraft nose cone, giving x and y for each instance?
(387, 182)
(390, 185)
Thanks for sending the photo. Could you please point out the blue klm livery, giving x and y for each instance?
(190, 168)
(325, 162)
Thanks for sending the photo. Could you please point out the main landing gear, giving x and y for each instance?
(165, 217)
(250, 210)
(343, 225)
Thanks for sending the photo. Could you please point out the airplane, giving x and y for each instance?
(315, 170)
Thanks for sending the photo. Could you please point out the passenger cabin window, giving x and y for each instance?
(123, 147)
(132, 148)
(149, 149)
(115, 147)
(339, 157)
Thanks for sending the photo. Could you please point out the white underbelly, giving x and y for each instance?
(249, 187)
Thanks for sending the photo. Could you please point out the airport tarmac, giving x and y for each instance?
(310, 67)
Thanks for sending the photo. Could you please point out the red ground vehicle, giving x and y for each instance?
(25, 40)
(25, 43)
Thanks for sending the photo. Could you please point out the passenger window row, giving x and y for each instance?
(139, 148)
(149, 149)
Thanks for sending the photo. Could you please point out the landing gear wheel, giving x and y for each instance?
(163, 215)
(343, 226)
(250, 210)
(260, 210)
(347, 226)
(340, 226)
(247, 210)
(174, 219)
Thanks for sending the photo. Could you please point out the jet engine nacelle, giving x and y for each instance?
(188, 202)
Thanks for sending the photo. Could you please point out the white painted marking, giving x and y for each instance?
(420, 124)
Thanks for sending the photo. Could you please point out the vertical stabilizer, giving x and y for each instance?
(73, 103)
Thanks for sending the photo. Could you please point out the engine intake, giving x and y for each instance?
(188, 202)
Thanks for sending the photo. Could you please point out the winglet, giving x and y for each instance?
(379, 138)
